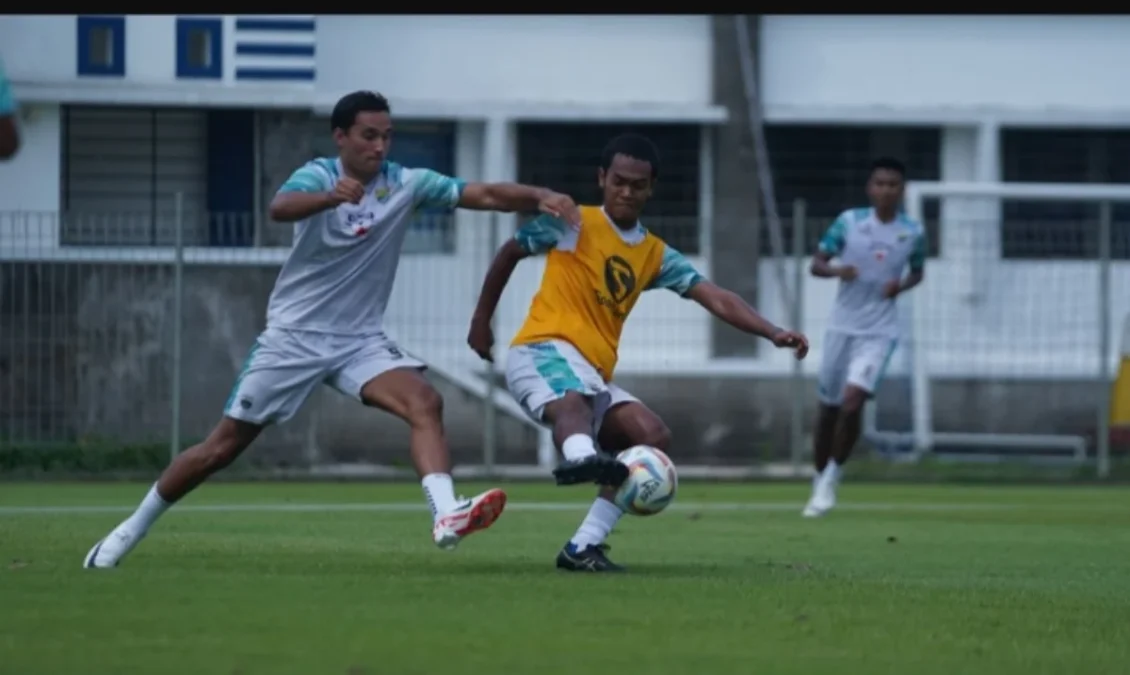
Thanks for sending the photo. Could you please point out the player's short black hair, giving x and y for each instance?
(889, 164)
(635, 146)
(349, 106)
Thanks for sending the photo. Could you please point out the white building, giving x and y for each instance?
(120, 113)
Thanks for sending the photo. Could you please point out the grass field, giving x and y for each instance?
(335, 579)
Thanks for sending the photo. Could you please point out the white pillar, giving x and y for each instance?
(970, 234)
(469, 165)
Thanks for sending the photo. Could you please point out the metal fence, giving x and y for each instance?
(111, 345)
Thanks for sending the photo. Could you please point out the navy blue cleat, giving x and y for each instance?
(600, 468)
(587, 559)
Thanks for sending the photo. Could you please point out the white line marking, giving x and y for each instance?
(512, 506)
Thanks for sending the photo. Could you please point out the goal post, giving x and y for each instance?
(1038, 318)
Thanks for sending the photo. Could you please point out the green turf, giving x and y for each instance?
(913, 580)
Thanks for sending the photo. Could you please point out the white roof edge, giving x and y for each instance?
(943, 116)
(308, 98)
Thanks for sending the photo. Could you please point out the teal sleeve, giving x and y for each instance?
(676, 273)
(433, 190)
(541, 234)
(918, 255)
(7, 102)
(307, 178)
(832, 243)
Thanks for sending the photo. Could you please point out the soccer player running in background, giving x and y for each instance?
(325, 319)
(872, 246)
(9, 132)
(561, 363)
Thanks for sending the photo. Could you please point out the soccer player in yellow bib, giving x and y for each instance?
(560, 364)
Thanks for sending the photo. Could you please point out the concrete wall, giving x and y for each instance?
(92, 361)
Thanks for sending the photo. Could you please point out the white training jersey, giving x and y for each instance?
(879, 252)
(340, 272)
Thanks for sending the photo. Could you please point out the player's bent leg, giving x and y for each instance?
(845, 434)
(833, 374)
(572, 419)
(188, 470)
(849, 423)
(823, 435)
(556, 386)
(626, 423)
(629, 422)
(823, 443)
(405, 393)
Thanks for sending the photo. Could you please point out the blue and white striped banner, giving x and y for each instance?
(275, 48)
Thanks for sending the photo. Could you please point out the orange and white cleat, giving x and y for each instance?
(472, 515)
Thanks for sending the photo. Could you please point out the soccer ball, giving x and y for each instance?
(651, 483)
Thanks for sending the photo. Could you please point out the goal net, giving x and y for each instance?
(1013, 333)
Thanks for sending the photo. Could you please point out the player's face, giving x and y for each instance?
(367, 142)
(884, 189)
(627, 186)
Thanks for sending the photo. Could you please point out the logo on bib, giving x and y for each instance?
(619, 278)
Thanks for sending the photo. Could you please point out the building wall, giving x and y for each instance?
(607, 60)
(945, 63)
(256, 49)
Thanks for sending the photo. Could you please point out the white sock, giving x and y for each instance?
(597, 525)
(148, 511)
(832, 471)
(578, 446)
(439, 490)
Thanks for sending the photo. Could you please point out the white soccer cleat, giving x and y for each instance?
(108, 552)
(472, 515)
(823, 498)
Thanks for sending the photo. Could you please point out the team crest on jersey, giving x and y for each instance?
(382, 193)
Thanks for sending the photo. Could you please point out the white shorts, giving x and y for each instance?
(285, 366)
(856, 360)
(541, 373)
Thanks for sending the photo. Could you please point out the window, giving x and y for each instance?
(565, 157)
(122, 168)
(828, 167)
(1063, 230)
(199, 48)
(101, 45)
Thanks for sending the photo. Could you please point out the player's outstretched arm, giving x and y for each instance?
(677, 274)
(729, 307)
(535, 237)
(515, 197)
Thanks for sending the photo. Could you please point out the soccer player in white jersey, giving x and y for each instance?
(872, 246)
(325, 314)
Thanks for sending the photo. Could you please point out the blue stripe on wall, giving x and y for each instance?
(231, 177)
(296, 25)
(274, 73)
(253, 49)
